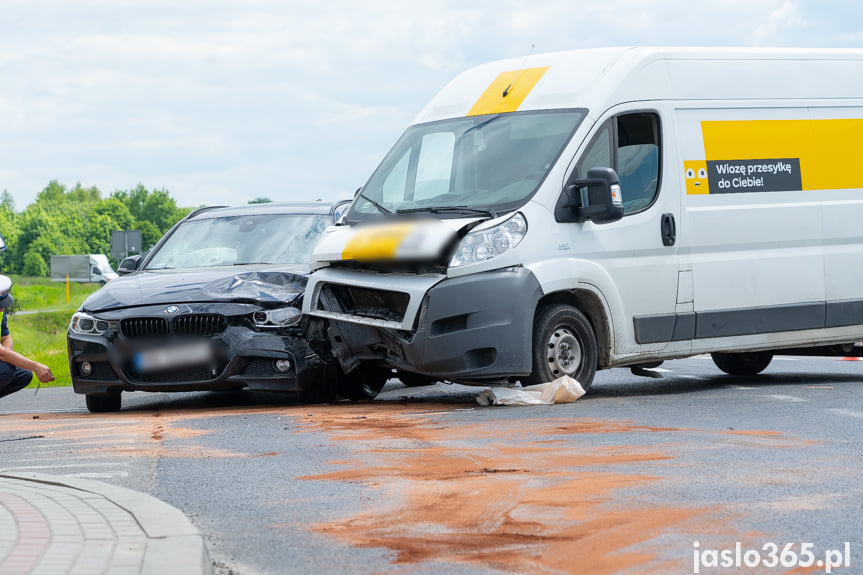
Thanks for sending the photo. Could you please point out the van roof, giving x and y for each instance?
(597, 79)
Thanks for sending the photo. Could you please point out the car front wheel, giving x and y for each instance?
(103, 402)
(363, 383)
(415, 379)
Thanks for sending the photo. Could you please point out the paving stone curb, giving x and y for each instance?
(87, 519)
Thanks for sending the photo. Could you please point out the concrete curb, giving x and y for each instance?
(174, 545)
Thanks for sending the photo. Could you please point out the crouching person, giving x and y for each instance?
(16, 371)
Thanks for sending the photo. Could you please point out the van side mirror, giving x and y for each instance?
(596, 198)
(129, 265)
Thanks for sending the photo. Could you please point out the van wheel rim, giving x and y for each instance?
(564, 353)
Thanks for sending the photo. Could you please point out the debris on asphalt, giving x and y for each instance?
(564, 389)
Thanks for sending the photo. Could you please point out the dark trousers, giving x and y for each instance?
(13, 378)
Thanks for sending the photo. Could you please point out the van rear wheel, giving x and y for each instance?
(563, 344)
(747, 363)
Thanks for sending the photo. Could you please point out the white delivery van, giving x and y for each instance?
(87, 268)
(584, 210)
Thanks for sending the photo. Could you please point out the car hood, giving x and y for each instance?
(263, 286)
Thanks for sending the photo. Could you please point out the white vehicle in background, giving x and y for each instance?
(583, 210)
(88, 268)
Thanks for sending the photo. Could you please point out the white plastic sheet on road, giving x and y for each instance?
(562, 390)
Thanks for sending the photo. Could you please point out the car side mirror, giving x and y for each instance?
(596, 198)
(129, 265)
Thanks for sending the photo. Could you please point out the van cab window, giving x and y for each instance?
(492, 161)
(629, 144)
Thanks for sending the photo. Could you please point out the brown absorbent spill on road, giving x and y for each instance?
(123, 434)
(505, 496)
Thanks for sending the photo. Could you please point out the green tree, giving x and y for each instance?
(78, 220)
(7, 201)
(157, 206)
(9, 231)
(150, 234)
(117, 212)
(34, 265)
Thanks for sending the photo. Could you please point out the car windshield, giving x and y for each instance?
(240, 240)
(492, 161)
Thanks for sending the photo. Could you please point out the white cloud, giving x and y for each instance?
(782, 26)
(222, 99)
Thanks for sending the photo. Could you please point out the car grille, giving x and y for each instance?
(206, 325)
(200, 325)
(177, 376)
(369, 302)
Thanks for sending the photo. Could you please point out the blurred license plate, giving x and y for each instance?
(178, 355)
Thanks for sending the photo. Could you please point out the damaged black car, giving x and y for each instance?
(215, 305)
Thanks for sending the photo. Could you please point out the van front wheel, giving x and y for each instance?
(563, 344)
(750, 363)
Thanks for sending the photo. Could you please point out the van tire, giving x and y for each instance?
(103, 402)
(747, 363)
(563, 344)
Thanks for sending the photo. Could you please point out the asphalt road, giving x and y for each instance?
(642, 475)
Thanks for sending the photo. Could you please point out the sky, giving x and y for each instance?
(220, 101)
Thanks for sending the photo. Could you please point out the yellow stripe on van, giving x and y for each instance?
(377, 243)
(507, 91)
(828, 150)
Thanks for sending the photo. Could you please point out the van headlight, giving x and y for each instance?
(86, 324)
(479, 246)
(278, 317)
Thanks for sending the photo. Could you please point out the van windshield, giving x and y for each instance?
(240, 240)
(491, 161)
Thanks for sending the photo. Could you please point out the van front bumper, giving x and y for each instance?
(471, 329)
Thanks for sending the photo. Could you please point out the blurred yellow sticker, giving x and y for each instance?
(378, 242)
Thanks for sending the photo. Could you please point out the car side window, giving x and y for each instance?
(630, 144)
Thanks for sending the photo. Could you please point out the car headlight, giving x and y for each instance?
(86, 324)
(483, 245)
(279, 317)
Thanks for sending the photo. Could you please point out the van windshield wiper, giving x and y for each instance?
(379, 207)
(448, 210)
(480, 125)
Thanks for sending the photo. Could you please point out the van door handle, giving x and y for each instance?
(669, 230)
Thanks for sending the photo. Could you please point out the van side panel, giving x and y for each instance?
(769, 223)
(842, 215)
(843, 260)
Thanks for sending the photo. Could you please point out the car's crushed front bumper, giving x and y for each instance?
(240, 358)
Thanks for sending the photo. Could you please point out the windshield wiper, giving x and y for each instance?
(379, 207)
(480, 125)
(449, 209)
